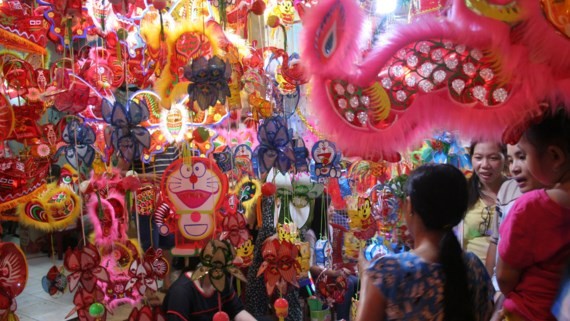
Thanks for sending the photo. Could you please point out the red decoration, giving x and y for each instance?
(21, 180)
(221, 316)
(84, 267)
(268, 189)
(147, 313)
(281, 308)
(258, 7)
(13, 277)
(279, 267)
(83, 300)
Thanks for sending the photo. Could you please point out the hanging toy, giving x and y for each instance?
(323, 253)
(125, 133)
(327, 160)
(96, 310)
(279, 267)
(209, 81)
(304, 257)
(275, 146)
(245, 253)
(221, 316)
(194, 188)
(281, 308)
(55, 282)
(248, 192)
(216, 264)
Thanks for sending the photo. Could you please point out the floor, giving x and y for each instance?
(34, 304)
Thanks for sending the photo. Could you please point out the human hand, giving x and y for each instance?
(498, 316)
(363, 263)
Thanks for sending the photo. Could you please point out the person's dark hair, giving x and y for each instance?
(192, 265)
(474, 182)
(553, 129)
(438, 194)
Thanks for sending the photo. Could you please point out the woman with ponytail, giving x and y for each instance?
(436, 280)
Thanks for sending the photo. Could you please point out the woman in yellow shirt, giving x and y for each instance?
(488, 160)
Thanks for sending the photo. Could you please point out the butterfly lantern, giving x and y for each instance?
(88, 305)
(280, 265)
(327, 161)
(275, 146)
(78, 138)
(233, 224)
(209, 79)
(125, 134)
(13, 278)
(194, 188)
(216, 264)
(145, 271)
(84, 265)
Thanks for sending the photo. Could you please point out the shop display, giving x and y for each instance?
(266, 137)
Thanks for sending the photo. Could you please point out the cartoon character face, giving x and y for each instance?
(243, 151)
(352, 246)
(194, 188)
(287, 232)
(286, 7)
(364, 211)
(324, 152)
(245, 250)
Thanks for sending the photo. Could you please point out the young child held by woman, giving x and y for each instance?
(535, 236)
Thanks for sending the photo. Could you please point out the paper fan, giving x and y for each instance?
(14, 269)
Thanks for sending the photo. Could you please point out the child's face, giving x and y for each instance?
(488, 162)
(535, 163)
(519, 169)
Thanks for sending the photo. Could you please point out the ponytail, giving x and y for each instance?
(457, 299)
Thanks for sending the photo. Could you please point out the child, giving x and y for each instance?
(521, 182)
(535, 242)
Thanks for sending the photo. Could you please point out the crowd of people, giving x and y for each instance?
(491, 247)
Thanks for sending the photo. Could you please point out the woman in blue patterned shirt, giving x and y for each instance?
(436, 280)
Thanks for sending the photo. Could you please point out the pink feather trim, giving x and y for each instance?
(316, 27)
(105, 236)
(531, 80)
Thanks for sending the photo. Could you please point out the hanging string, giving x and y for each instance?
(79, 182)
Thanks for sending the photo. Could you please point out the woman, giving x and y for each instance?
(488, 160)
(198, 300)
(436, 280)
